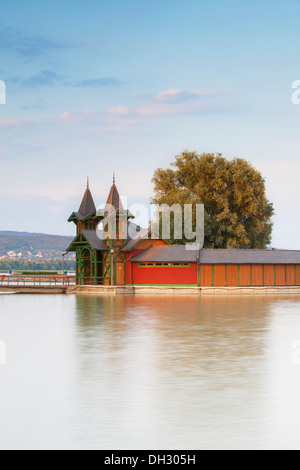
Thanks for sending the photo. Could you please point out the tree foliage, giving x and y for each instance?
(237, 211)
(41, 265)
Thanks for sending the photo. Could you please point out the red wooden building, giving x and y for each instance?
(123, 253)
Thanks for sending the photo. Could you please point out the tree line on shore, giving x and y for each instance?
(32, 265)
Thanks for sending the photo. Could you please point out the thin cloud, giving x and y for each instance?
(142, 96)
(23, 44)
(13, 123)
(99, 82)
(12, 39)
(119, 118)
(41, 104)
(50, 78)
(177, 95)
(43, 78)
(118, 111)
(74, 117)
(181, 108)
(124, 116)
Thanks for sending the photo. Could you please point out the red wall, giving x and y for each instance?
(161, 275)
(215, 275)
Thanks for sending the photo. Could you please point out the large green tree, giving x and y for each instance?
(237, 211)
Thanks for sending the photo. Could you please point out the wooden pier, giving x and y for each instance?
(36, 284)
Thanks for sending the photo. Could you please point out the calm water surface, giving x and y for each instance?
(149, 372)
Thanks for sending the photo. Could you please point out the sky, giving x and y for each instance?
(95, 87)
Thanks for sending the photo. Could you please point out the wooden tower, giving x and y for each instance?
(87, 245)
(99, 255)
(115, 225)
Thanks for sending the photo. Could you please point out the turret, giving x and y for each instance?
(115, 217)
(85, 218)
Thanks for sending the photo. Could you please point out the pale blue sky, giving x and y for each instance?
(98, 86)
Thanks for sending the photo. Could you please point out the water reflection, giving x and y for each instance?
(178, 370)
(149, 372)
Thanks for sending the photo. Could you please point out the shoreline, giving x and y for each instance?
(150, 290)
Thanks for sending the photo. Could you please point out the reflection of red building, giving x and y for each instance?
(125, 254)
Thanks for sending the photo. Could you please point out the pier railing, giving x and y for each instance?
(36, 280)
(90, 281)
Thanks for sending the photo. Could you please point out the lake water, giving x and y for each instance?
(149, 372)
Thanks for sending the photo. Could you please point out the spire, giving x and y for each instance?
(113, 198)
(87, 205)
(88, 183)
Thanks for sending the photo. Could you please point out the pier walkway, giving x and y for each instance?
(145, 290)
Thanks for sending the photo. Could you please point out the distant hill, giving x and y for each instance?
(9, 233)
(34, 246)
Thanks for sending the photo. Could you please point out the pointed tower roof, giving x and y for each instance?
(113, 198)
(87, 205)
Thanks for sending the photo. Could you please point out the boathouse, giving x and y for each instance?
(124, 254)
